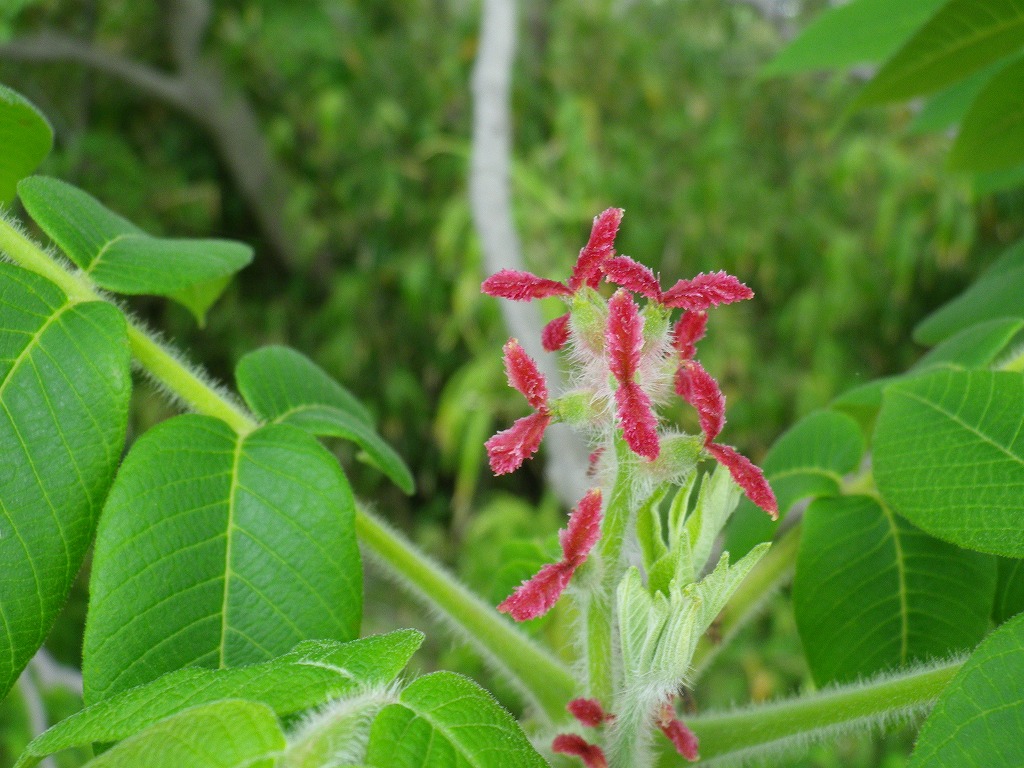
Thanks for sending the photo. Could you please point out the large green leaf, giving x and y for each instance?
(979, 718)
(284, 386)
(872, 592)
(991, 137)
(961, 38)
(217, 550)
(858, 32)
(445, 720)
(995, 295)
(948, 107)
(949, 456)
(1009, 589)
(122, 258)
(65, 383)
(809, 460)
(225, 734)
(26, 138)
(314, 672)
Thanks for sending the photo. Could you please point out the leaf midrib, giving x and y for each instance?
(232, 494)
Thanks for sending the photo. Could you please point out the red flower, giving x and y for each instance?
(633, 276)
(535, 597)
(508, 449)
(571, 744)
(747, 476)
(684, 740)
(522, 286)
(687, 332)
(699, 389)
(624, 340)
(705, 291)
(589, 712)
(555, 333)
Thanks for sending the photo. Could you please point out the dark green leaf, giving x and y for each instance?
(991, 136)
(1009, 590)
(979, 718)
(872, 592)
(219, 550)
(947, 108)
(26, 138)
(65, 384)
(949, 456)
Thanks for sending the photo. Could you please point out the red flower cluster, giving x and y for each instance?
(682, 738)
(511, 447)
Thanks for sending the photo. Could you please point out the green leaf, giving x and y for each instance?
(225, 734)
(995, 295)
(284, 386)
(217, 550)
(949, 456)
(446, 720)
(991, 137)
(65, 384)
(26, 137)
(308, 676)
(859, 32)
(979, 718)
(998, 181)
(809, 460)
(961, 38)
(873, 593)
(948, 107)
(1009, 589)
(120, 257)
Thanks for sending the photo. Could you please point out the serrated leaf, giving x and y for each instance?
(858, 32)
(873, 593)
(307, 676)
(977, 720)
(225, 734)
(26, 137)
(808, 460)
(284, 386)
(991, 136)
(120, 257)
(1009, 589)
(217, 550)
(962, 37)
(949, 456)
(65, 385)
(994, 296)
(446, 720)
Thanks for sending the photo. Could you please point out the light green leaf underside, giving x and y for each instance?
(859, 32)
(949, 456)
(226, 734)
(282, 385)
(218, 550)
(26, 138)
(995, 295)
(961, 38)
(873, 593)
(808, 460)
(65, 384)
(1009, 589)
(991, 136)
(979, 718)
(948, 107)
(120, 257)
(446, 720)
(308, 676)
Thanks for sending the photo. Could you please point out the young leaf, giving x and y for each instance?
(65, 384)
(977, 719)
(446, 720)
(810, 459)
(961, 38)
(308, 676)
(120, 257)
(26, 137)
(873, 593)
(991, 137)
(858, 32)
(217, 550)
(225, 734)
(282, 385)
(949, 456)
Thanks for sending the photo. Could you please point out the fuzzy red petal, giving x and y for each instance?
(583, 529)
(523, 375)
(555, 333)
(535, 597)
(697, 387)
(601, 246)
(633, 276)
(747, 476)
(522, 286)
(571, 744)
(589, 712)
(688, 331)
(639, 424)
(706, 290)
(624, 336)
(508, 449)
(682, 738)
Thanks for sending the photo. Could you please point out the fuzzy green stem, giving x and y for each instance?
(22, 251)
(599, 650)
(797, 722)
